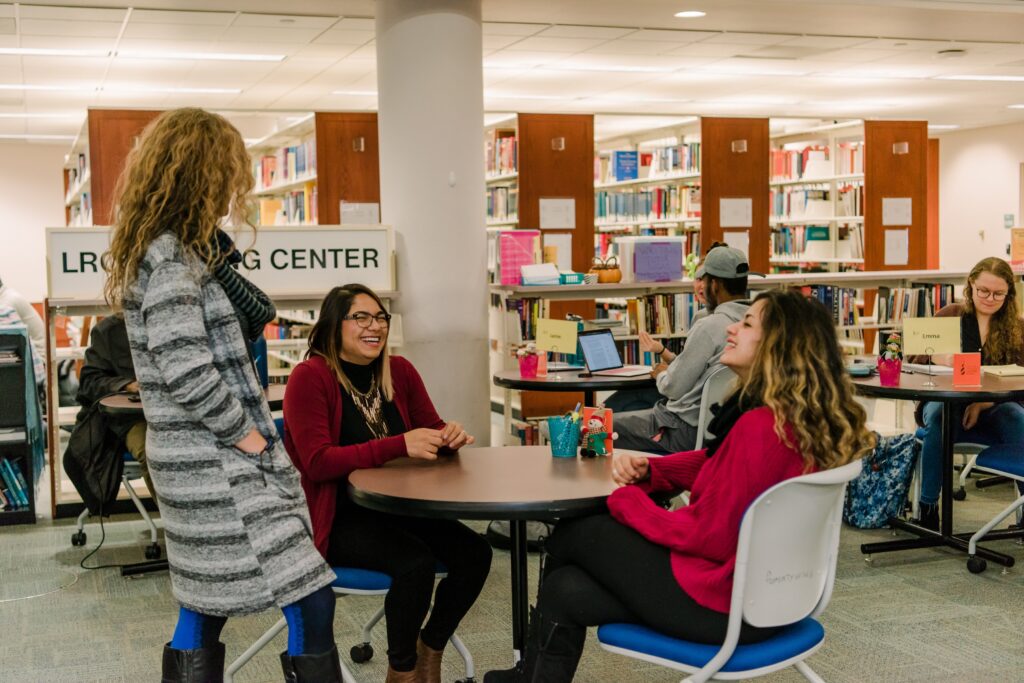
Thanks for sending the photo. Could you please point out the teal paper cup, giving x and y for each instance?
(564, 435)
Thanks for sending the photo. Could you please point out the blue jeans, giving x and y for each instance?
(1002, 423)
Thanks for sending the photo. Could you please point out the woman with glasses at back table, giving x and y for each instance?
(991, 324)
(351, 405)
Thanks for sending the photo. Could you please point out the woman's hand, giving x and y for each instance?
(455, 437)
(629, 469)
(649, 343)
(972, 413)
(253, 442)
(423, 443)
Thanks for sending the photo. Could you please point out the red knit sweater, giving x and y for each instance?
(703, 535)
(312, 416)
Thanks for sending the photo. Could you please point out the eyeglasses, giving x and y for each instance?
(364, 319)
(989, 294)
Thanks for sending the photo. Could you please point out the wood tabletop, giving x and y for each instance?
(565, 380)
(913, 387)
(500, 482)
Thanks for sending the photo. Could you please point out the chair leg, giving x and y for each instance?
(346, 675)
(966, 471)
(244, 658)
(808, 672)
(368, 627)
(467, 658)
(140, 507)
(972, 546)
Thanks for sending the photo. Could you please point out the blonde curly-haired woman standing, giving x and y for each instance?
(237, 529)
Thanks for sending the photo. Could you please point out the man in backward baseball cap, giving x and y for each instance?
(671, 425)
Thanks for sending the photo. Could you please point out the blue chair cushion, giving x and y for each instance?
(360, 579)
(127, 457)
(279, 423)
(1005, 457)
(790, 642)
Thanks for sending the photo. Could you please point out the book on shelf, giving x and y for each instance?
(648, 163)
(502, 203)
(850, 199)
(625, 165)
(15, 483)
(896, 303)
(662, 202)
(850, 157)
(501, 152)
(841, 302)
(800, 202)
(800, 164)
(286, 164)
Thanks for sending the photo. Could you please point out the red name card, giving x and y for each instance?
(966, 369)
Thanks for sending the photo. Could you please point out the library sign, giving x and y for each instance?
(282, 261)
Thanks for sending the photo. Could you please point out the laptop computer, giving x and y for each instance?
(602, 356)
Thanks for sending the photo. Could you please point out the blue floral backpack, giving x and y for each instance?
(880, 491)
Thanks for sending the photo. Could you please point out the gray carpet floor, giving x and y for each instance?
(911, 616)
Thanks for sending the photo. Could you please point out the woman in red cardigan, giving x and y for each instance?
(350, 405)
(793, 412)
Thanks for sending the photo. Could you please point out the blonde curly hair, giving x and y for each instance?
(798, 372)
(188, 171)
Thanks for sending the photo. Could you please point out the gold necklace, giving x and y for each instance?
(370, 404)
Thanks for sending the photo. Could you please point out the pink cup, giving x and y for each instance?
(528, 366)
(889, 372)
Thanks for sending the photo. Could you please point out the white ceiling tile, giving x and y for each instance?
(344, 37)
(856, 55)
(63, 69)
(748, 38)
(258, 34)
(634, 47)
(626, 63)
(6, 10)
(366, 53)
(509, 58)
(596, 32)
(150, 16)
(669, 36)
(9, 73)
(152, 45)
(903, 44)
(173, 31)
(325, 50)
(285, 21)
(58, 42)
(570, 45)
(499, 42)
(8, 26)
(491, 28)
(356, 24)
(64, 13)
(825, 42)
(705, 49)
(155, 71)
(49, 27)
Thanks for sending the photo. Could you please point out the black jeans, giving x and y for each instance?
(408, 549)
(599, 571)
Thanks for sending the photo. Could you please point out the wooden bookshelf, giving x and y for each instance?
(348, 162)
(728, 173)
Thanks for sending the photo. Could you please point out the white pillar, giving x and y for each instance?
(430, 94)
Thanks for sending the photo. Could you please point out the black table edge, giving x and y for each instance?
(532, 511)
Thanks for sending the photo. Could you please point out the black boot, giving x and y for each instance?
(929, 516)
(203, 665)
(322, 668)
(552, 653)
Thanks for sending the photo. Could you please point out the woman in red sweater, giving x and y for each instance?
(793, 412)
(350, 405)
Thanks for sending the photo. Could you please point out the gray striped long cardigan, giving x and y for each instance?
(237, 528)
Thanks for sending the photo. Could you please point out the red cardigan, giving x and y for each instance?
(312, 416)
(702, 536)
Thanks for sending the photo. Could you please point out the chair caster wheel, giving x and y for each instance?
(153, 551)
(466, 680)
(960, 494)
(361, 653)
(976, 565)
(78, 538)
(869, 560)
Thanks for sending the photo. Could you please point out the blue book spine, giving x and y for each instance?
(22, 486)
(9, 479)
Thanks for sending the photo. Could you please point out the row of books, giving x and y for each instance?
(298, 207)
(850, 158)
(14, 494)
(528, 433)
(501, 154)
(791, 240)
(78, 172)
(841, 301)
(896, 303)
(664, 202)
(288, 163)
(662, 314)
(622, 165)
(800, 164)
(80, 213)
(502, 203)
(815, 201)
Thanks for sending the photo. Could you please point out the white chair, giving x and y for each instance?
(350, 581)
(716, 387)
(972, 449)
(785, 570)
(132, 472)
(1005, 460)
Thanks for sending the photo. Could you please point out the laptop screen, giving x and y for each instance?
(599, 350)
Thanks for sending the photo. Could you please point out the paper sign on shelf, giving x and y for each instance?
(557, 336)
(1017, 245)
(562, 242)
(966, 369)
(738, 239)
(360, 213)
(927, 336)
(736, 212)
(897, 247)
(897, 211)
(557, 213)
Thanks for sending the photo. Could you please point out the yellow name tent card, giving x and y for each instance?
(557, 336)
(927, 336)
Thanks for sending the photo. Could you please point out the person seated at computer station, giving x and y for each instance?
(671, 425)
(351, 405)
(792, 413)
(108, 369)
(989, 324)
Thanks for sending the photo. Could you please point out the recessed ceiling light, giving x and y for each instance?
(570, 66)
(25, 86)
(32, 115)
(942, 126)
(201, 56)
(355, 93)
(691, 14)
(153, 89)
(48, 52)
(1016, 106)
(30, 136)
(978, 77)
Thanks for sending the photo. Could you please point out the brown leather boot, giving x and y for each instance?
(402, 676)
(428, 663)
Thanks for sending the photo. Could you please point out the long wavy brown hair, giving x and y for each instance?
(188, 171)
(325, 337)
(798, 372)
(1005, 339)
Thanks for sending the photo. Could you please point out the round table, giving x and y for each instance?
(564, 381)
(517, 483)
(122, 403)
(939, 388)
